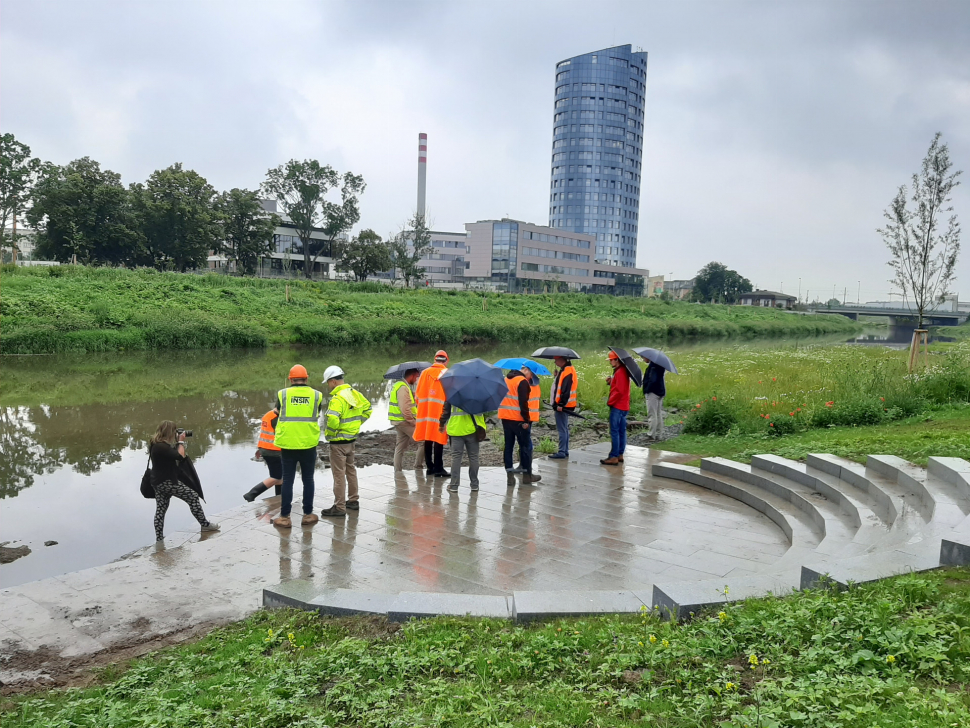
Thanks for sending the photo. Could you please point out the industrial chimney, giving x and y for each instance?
(422, 171)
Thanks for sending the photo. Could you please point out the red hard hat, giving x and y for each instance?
(298, 371)
(441, 354)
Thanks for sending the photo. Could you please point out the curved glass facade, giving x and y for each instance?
(597, 150)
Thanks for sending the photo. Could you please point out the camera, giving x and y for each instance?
(188, 433)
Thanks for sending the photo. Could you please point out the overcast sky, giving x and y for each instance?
(776, 132)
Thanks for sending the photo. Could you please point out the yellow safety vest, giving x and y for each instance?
(298, 427)
(394, 413)
(348, 410)
(461, 423)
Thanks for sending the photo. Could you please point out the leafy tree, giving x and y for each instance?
(924, 255)
(833, 302)
(716, 283)
(300, 189)
(177, 215)
(82, 210)
(247, 229)
(364, 254)
(18, 174)
(407, 258)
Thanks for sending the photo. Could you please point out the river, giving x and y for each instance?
(74, 430)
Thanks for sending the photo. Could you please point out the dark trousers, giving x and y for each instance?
(562, 427)
(514, 432)
(434, 456)
(308, 460)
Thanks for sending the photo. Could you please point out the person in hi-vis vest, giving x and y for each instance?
(297, 436)
(401, 414)
(563, 401)
(430, 399)
(462, 429)
(269, 452)
(347, 411)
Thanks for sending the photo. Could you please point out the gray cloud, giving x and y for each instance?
(776, 132)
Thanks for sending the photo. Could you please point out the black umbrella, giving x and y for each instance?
(397, 371)
(474, 386)
(657, 357)
(551, 352)
(631, 365)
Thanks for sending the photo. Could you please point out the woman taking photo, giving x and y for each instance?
(167, 451)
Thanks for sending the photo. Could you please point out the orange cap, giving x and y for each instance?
(613, 355)
(441, 354)
(298, 371)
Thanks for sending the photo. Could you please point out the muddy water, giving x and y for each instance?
(74, 432)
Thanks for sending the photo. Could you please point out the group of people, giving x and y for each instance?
(290, 433)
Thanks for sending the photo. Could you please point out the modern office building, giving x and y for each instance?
(597, 150)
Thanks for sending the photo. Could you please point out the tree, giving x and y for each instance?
(247, 229)
(407, 258)
(364, 254)
(82, 210)
(716, 283)
(300, 189)
(924, 255)
(177, 216)
(18, 174)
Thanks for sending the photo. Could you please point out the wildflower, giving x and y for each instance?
(653, 639)
(774, 379)
(882, 399)
(665, 643)
(698, 405)
(829, 404)
(891, 659)
(714, 399)
(640, 644)
(301, 647)
(722, 616)
(765, 661)
(730, 686)
(290, 636)
(753, 660)
(726, 590)
(771, 424)
(791, 414)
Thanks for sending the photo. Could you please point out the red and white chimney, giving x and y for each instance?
(422, 171)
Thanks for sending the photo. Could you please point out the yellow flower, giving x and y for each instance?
(766, 661)
(290, 636)
(891, 659)
(722, 616)
(269, 632)
(726, 590)
(753, 661)
(653, 639)
(730, 686)
(665, 643)
(640, 643)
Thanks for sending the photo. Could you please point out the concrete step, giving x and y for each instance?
(682, 600)
(889, 503)
(955, 471)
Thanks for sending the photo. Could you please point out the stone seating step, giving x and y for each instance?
(955, 471)
(682, 600)
(942, 497)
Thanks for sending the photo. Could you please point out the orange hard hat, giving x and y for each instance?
(613, 355)
(298, 371)
(441, 354)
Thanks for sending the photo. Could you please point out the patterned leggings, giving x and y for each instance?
(163, 494)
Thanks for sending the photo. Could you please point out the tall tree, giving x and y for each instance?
(18, 174)
(924, 254)
(176, 210)
(409, 247)
(364, 254)
(300, 189)
(716, 283)
(247, 229)
(82, 210)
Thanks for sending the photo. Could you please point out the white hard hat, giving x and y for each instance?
(333, 373)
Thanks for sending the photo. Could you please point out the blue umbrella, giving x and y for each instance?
(474, 386)
(519, 362)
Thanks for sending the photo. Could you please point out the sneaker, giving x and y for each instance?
(210, 526)
(530, 478)
(474, 487)
(453, 488)
(353, 505)
(558, 456)
(333, 512)
(309, 519)
(282, 522)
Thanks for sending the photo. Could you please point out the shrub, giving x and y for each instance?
(713, 416)
(849, 413)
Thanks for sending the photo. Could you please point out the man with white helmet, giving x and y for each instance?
(297, 436)
(348, 410)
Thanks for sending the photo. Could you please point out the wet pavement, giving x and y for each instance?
(584, 526)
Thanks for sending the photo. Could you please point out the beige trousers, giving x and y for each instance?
(405, 441)
(344, 473)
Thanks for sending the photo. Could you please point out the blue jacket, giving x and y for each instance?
(653, 381)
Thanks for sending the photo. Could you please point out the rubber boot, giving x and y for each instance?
(257, 491)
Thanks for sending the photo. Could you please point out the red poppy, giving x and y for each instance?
(829, 404)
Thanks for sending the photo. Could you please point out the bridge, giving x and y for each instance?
(900, 316)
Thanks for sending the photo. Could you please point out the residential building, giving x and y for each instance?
(767, 299)
(521, 257)
(679, 290)
(597, 150)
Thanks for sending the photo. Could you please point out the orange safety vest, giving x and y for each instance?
(429, 396)
(510, 410)
(267, 435)
(572, 391)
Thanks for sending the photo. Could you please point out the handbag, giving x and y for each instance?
(146, 480)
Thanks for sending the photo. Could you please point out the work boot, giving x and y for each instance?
(610, 461)
(353, 505)
(257, 491)
(333, 512)
(530, 478)
(309, 519)
(511, 480)
(282, 522)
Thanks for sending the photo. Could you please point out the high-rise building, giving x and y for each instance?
(597, 150)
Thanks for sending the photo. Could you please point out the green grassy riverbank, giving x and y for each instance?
(888, 654)
(73, 308)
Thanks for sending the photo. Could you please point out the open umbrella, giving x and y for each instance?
(474, 386)
(657, 357)
(551, 352)
(631, 365)
(519, 362)
(397, 371)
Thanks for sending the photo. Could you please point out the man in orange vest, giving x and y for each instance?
(429, 396)
(269, 453)
(563, 402)
(518, 411)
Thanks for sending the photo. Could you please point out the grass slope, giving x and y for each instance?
(88, 309)
(894, 653)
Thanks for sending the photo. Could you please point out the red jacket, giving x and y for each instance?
(620, 390)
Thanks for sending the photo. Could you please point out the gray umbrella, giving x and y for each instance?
(397, 371)
(657, 357)
(630, 364)
(551, 352)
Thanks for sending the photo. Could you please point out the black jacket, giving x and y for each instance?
(167, 464)
(524, 390)
(567, 385)
(653, 381)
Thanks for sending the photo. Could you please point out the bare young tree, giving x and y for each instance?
(924, 254)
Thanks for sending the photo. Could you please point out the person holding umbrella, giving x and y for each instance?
(518, 410)
(563, 402)
(463, 431)
(654, 390)
(619, 404)
(430, 399)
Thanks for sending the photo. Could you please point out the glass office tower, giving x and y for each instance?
(597, 150)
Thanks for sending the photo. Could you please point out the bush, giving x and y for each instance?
(849, 413)
(712, 417)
